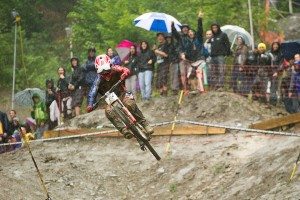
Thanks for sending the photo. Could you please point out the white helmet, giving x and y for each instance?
(103, 63)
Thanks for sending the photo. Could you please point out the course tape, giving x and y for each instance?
(240, 128)
(162, 124)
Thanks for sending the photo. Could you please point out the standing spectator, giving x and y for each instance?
(64, 96)
(146, 61)
(90, 70)
(131, 64)
(250, 70)
(207, 49)
(76, 85)
(294, 90)
(196, 54)
(184, 65)
(288, 68)
(115, 59)
(174, 65)
(39, 113)
(51, 105)
(220, 47)
(276, 61)
(239, 65)
(262, 83)
(162, 60)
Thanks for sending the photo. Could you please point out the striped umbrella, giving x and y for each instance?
(157, 22)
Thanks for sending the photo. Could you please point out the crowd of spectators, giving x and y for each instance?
(179, 60)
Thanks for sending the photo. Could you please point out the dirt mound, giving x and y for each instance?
(241, 166)
(213, 107)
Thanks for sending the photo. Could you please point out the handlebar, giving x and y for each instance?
(106, 93)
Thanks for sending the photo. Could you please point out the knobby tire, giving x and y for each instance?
(136, 131)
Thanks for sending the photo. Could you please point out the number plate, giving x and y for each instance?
(112, 97)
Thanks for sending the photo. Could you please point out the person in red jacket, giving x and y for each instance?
(109, 75)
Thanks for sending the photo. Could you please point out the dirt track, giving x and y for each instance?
(231, 166)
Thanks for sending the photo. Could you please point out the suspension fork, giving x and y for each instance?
(127, 112)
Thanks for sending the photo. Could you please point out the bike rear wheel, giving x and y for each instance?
(137, 132)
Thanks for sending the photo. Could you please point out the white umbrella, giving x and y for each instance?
(24, 97)
(158, 22)
(233, 31)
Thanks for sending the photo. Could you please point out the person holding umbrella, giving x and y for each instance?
(39, 113)
(162, 60)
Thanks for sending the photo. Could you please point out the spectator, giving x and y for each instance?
(16, 137)
(173, 47)
(115, 59)
(51, 105)
(89, 68)
(131, 64)
(250, 70)
(162, 60)
(63, 93)
(76, 85)
(207, 49)
(12, 114)
(220, 47)
(39, 113)
(276, 61)
(196, 54)
(184, 64)
(294, 90)
(4, 129)
(25, 134)
(262, 83)
(239, 65)
(146, 61)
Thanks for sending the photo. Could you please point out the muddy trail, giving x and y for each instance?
(231, 166)
(236, 165)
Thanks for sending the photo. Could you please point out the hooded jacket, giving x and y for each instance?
(77, 78)
(220, 45)
(90, 71)
(39, 110)
(50, 97)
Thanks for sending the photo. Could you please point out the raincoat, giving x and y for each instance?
(39, 112)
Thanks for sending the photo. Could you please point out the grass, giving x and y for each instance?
(173, 187)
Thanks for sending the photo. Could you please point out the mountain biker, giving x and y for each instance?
(108, 75)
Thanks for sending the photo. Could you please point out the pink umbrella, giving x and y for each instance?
(123, 48)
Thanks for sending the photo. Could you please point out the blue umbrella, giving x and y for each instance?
(157, 22)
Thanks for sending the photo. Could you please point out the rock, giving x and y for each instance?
(71, 184)
(160, 170)
(90, 160)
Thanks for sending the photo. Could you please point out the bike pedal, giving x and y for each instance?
(143, 148)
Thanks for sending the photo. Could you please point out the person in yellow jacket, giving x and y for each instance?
(26, 137)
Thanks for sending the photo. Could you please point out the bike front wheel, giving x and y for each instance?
(137, 132)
